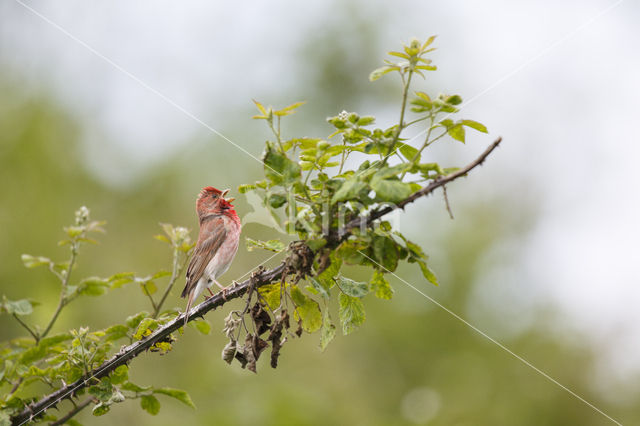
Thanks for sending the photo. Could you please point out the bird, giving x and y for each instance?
(217, 244)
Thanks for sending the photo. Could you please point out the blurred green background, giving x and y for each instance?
(411, 362)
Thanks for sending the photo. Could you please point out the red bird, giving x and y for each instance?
(217, 243)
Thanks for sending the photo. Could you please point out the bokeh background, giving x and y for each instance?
(107, 105)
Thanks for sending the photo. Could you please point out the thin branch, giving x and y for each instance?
(24, 324)
(63, 291)
(76, 410)
(258, 279)
(446, 200)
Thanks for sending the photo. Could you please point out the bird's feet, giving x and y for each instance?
(210, 294)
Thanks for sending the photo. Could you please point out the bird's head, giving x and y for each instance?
(212, 200)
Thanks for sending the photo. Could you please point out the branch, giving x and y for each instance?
(377, 214)
(258, 279)
(62, 420)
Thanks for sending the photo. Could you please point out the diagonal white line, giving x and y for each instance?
(257, 266)
(531, 60)
(491, 339)
(138, 80)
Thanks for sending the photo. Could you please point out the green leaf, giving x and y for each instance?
(246, 188)
(103, 391)
(381, 286)
(120, 375)
(349, 190)
(351, 313)
(385, 252)
(272, 245)
(288, 109)
(428, 273)
(326, 277)
(145, 328)
(134, 320)
(18, 307)
(178, 394)
(319, 288)
(392, 191)
(456, 132)
(351, 287)
(34, 261)
(148, 287)
(93, 286)
(307, 309)
(100, 409)
(409, 152)
(150, 404)
(379, 72)
(132, 387)
(316, 244)
(328, 330)
(279, 168)
(474, 125)
(203, 326)
(277, 200)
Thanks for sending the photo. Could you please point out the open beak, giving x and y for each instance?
(224, 194)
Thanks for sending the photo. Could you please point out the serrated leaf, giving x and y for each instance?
(328, 330)
(381, 286)
(150, 404)
(307, 309)
(145, 328)
(279, 168)
(351, 313)
(351, 287)
(178, 394)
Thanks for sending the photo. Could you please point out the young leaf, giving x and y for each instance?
(385, 252)
(328, 330)
(34, 261)
(351, 287)
(349, 190)
(178, 394)
(389, 190)
(120, 375)
(428, 273)
(18, 307)
(381, 286)
(474, 125)
(456, 132)
(351, 313)
(150, 404)
(308, 310)
(203, 326)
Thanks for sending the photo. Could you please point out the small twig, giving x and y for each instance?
(76, 410)
(63, 290)
(446, 201)
(24, 324)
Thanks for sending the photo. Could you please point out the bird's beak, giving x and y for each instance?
(224, 194)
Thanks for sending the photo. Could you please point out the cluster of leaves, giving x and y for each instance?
(315, 186)
(57, 359)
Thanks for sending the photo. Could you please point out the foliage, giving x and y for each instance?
(316, 186)
(66, 357)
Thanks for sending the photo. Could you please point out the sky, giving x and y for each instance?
(557, 80)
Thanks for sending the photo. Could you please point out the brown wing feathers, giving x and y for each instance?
(212, 235)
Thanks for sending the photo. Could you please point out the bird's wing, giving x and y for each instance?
(213, 232)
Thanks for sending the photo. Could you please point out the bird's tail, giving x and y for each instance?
(192, 296)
